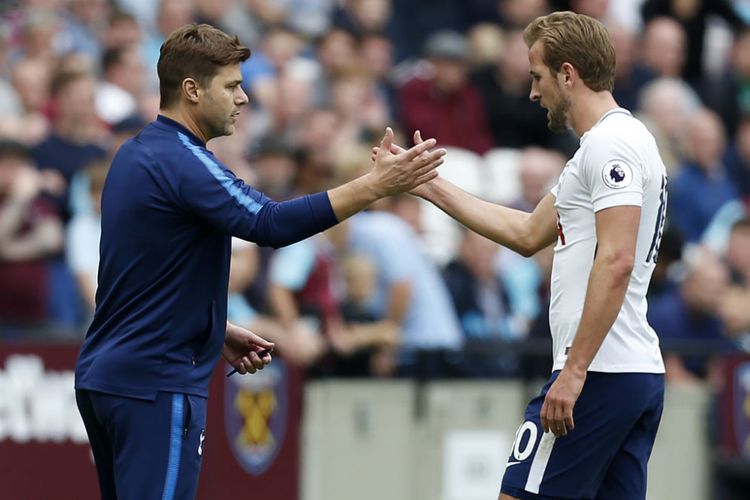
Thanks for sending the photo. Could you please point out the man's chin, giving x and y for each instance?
(557, 126)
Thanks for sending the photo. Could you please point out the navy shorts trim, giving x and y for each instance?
(617, 416)
(175, 445)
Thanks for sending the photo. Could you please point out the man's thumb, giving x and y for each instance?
(387, 142)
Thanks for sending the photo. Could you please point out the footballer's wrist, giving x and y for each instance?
(576, 368)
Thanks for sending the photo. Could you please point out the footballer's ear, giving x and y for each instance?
(191, 90)
(568, 73)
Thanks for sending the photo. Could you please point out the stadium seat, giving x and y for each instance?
(500, 181)
(440, 233)
(463, 168)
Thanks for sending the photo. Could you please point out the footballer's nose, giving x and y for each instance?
(534, 94)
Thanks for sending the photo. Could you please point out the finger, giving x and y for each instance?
(264, 353)
(387, 141)
(418, 137)
(568, 418)
(543, 416)
(429, 156)
(256, 361)
(267, 358)
(241, 368)
(248, 365)
(259, 343)
(559, 423)
(425, 178)
(569, 424)
(429, 167)
(396, 149)
(428, 173)
(417, 150)
(429, 160)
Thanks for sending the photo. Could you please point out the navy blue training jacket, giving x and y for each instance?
(169, 210)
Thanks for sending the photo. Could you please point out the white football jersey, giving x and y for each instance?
(616, 164)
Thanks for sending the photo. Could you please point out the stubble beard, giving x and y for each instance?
(221, 128)
(557, 116)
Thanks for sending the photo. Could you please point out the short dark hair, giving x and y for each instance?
(63, 77)
(112, 57)
(195, 51)
(743, 223)
(97, 174)
(13, 149)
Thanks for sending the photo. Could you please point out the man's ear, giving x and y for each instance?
(568, 73)
(191, 90)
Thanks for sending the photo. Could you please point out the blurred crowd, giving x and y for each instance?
(399, 289)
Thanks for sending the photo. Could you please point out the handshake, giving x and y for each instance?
(399, 169)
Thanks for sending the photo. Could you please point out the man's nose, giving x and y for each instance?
(243, 98)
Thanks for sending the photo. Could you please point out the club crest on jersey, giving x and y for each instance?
(617, 174)
(255, 416)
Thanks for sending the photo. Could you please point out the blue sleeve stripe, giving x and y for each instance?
(175, 447)
(219, 174)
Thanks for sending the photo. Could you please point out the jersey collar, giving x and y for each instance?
(611, 112)
(175, 125)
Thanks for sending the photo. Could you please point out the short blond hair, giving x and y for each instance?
(579, 40)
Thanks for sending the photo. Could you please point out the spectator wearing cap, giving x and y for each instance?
(30, 231)
(443, 103)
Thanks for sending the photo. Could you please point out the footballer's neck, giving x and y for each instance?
(588, 107)
(186, 119)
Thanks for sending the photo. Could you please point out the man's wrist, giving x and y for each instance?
(371, 186)
(428, 190)
(576, 368)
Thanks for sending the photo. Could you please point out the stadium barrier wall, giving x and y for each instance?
(450, 440)
(400, 440)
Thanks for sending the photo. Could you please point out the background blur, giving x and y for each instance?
(407, 347)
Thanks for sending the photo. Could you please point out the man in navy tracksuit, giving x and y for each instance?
(169, 210)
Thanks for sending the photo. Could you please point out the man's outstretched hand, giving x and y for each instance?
(420, 188)
(398, 170)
